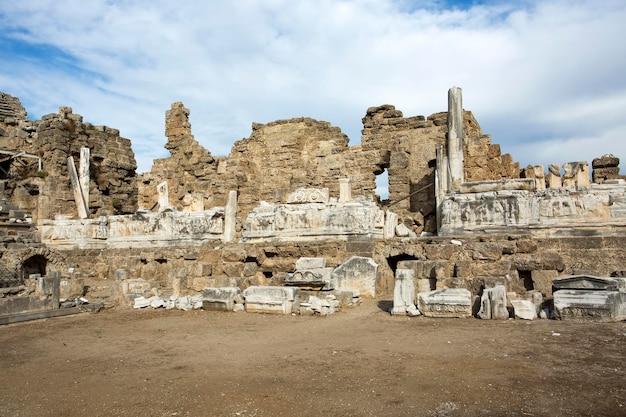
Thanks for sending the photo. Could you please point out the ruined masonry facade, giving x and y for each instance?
(460, 215)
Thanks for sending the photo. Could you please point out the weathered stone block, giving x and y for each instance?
(310, 263)
(357, 273)
(590, 305)
(526, 246)
(404, 292)
(486, 251)
(72, 287)
(277, 300)
(221, 299)
(493, 304)
(588, 282)
(448, 302)
(543, 280)
(524, 309)
(233, 254)
(544, 260)
(439, 251)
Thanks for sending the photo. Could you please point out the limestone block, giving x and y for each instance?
(310, 263)
(72, 287)
(528, 184)
(319, 278)
(403, 231)
(141, 302)
(605, 161)
(357, 273)
(487, 251)
(404, 292)
(156, 302)
(220, 299)
(391, 221)
(447, 302)
(493, 304)
(543, 280)
(524, 309)
(309, 195)
(270, 299)
(587, 282)
(590, 305)
(576, 174)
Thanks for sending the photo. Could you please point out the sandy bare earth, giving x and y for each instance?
(359, 362)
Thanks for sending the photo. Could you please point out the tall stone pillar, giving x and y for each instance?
(230, 216)
(83, 175)
(441, 181)
(455, 137)
(83, 213)
(345, 190)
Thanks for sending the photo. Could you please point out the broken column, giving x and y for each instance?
(576, 174)
(230, 216)
(493, 304)
(536, 172)
(455, 137)
(404, 293)
(83, 212)
(345, 190)
(554, 176)
(83, 175)
(164, 198)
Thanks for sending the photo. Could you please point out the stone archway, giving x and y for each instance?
(35, 264)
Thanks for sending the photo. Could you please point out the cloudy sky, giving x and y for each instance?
(546, 78)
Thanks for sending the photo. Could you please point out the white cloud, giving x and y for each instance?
(537, 73)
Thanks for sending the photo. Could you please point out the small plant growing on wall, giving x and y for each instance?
(117, 204)
(42, 174)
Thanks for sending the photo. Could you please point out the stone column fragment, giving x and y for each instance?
(83, 212)
(83, 175)
(230, 216)
(404, 293)
(455, 137)
(164, 198)
(345, 190)
(554, 176)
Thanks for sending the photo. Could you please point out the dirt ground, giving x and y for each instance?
(359, 362)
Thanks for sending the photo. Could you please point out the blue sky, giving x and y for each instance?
(544, 78)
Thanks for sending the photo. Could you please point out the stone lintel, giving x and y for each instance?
(526, 184)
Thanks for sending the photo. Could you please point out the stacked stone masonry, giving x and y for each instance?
(265, 170)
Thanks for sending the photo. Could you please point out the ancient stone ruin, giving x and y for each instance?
(289, 221)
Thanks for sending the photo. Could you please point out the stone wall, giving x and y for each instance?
(521, 263)
(282, 156)
(46, 193)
